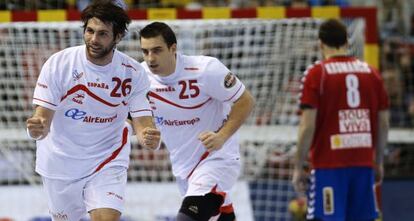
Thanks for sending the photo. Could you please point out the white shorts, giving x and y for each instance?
(71, 199)
(211, 175)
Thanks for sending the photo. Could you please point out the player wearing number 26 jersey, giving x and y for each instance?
(83, 96)
(344, 122)
(198, 105)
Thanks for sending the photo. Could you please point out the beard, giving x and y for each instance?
(99, 51)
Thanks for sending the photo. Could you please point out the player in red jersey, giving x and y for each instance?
(344, 122)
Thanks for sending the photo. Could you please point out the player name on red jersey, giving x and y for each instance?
(347, 67)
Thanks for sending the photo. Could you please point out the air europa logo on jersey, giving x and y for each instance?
(167, 122)
(61, 216)
(77, 114)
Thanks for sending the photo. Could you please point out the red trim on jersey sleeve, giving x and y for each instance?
(116, 152)
(191, 69)
(203, 157)
(81, 87)
(141, 111)
(129, 66)
(44, 101)
(234, 93)
(156, 96)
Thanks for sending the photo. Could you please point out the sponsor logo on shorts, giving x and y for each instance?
(59, 216)
(168, 122)
(77, 114)
(115, 195)
(193, 209)
(328, 201)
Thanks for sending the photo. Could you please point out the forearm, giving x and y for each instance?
(45, 113)
(139, 123)
(382, 137)
(303, 146)
(238, 114)
(305, 136)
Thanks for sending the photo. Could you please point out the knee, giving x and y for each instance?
(227, 217)
(105, 214)
(202, 208)
(227, 213)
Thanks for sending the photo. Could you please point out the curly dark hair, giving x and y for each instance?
(107, 12)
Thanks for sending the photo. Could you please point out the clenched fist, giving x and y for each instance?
(211, 140)
(150, 137)
(37, 127)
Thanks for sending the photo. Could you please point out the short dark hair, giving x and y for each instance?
(333, 33)
(107, 12)
(156, 29)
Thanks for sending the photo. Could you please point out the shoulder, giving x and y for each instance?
(126, 62)
(374, 70)
(58, 61)
(67, 53)
(313, 69)
(198, 62)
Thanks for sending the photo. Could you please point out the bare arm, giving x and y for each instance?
(383, 127)
(147, 134)
(238, 114)
(305, 135)
(39, 124)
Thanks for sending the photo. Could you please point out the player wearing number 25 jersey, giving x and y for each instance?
(344, 122)
(83, 97)
(198, 106)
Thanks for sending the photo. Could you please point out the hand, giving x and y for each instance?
(37, 127)
(379, 173)
(151, 137)
(211, 140)
(299, 181)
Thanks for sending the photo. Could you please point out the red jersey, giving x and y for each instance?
(348, 94)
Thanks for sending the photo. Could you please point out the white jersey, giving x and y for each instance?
(197, 97)
(91, 104)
